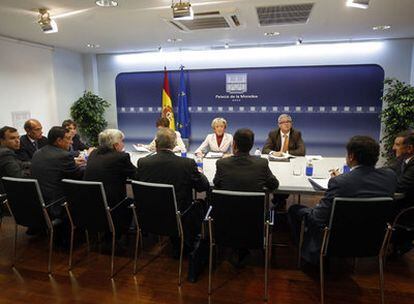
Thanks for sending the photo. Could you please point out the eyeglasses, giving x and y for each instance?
(285, 122)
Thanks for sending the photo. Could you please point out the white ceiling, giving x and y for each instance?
(139, 25)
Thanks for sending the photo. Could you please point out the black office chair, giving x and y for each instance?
(239, 220)
(27, 208)
(157, 213)
(358, 227)
(403, 224)
(87, 209)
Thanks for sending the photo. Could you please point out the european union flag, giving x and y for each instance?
(183, 117)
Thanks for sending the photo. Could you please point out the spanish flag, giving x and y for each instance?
(167, 109)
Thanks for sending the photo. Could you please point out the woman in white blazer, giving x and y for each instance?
(165, 123)
(219, 141)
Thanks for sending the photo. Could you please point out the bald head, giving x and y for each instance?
(33, 129)
(165, 139)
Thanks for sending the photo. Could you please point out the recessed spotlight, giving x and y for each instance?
(381, 27)
(174, 40)
(160, 49)
(299, 41)
(92, 45)
(364, 4)
(106, 3)
(271, 34)
(226, 45)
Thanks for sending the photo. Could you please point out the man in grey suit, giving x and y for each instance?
(284, 139)
(53, 163)
(364, 180)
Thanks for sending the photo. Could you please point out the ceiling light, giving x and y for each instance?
(358, 3)
(381, 27)
(93, 46)
(174, 40)
(159, 49)
(46, 23)
(299, 41)
(106, 3)
(182, 11)
(226, 45)
(271, 34)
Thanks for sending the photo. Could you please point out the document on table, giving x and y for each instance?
(214, 155)
(140, 149)
(319, 183)
(284, 158)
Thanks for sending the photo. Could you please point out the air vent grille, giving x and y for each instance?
(284, 14)
(205, 23)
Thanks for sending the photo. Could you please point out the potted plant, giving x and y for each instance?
(88, 112)
(397, 114)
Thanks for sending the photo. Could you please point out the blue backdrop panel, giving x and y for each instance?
(329, 104)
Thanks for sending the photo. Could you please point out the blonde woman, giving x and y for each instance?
(219, 141)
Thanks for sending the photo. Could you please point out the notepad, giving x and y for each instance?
(319, 183)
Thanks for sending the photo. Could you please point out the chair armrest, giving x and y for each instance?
(270, 217)
(208, 213)
(59, 200)
(186, 210)
(3, 195)
(119, 204)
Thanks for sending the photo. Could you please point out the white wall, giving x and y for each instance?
(395, 56)
(69, 81)
(26, 82)
(39, 79)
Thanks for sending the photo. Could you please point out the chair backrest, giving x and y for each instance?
(358, 226)
(25, 201)
(87, 205)
(156, 207)
(405, 219)
(238, 218)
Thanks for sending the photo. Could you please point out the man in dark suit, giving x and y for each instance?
(32, 141)
(52, 163)
(165, 167)
(77, 144)
(284, 139)
(362, 181)
(10, 165)
(403, 240)
(111, 166)
(243, 172)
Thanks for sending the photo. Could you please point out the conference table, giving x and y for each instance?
(289, 182)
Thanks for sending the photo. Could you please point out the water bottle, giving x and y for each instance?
(258, 153)
(309, 168)
(199, 162)
(184, 153)
(345, 168)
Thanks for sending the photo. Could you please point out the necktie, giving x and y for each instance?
(35, 145)
(286, 143)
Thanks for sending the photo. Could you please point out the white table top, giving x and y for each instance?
(283, 171)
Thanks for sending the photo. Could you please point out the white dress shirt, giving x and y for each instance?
(210, 144)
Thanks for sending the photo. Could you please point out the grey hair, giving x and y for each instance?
(109, 137)
(218, 120)
(287, 116)
(165, 139)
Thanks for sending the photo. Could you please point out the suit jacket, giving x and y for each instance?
(112, 168)
(361, 182)
(49, 166)
(78, 145)
(274, 143)
(180, 147)
(11, 166)
(167, 168)
(27, 150)
(405, 183)
(210, 144)
(244, 173)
